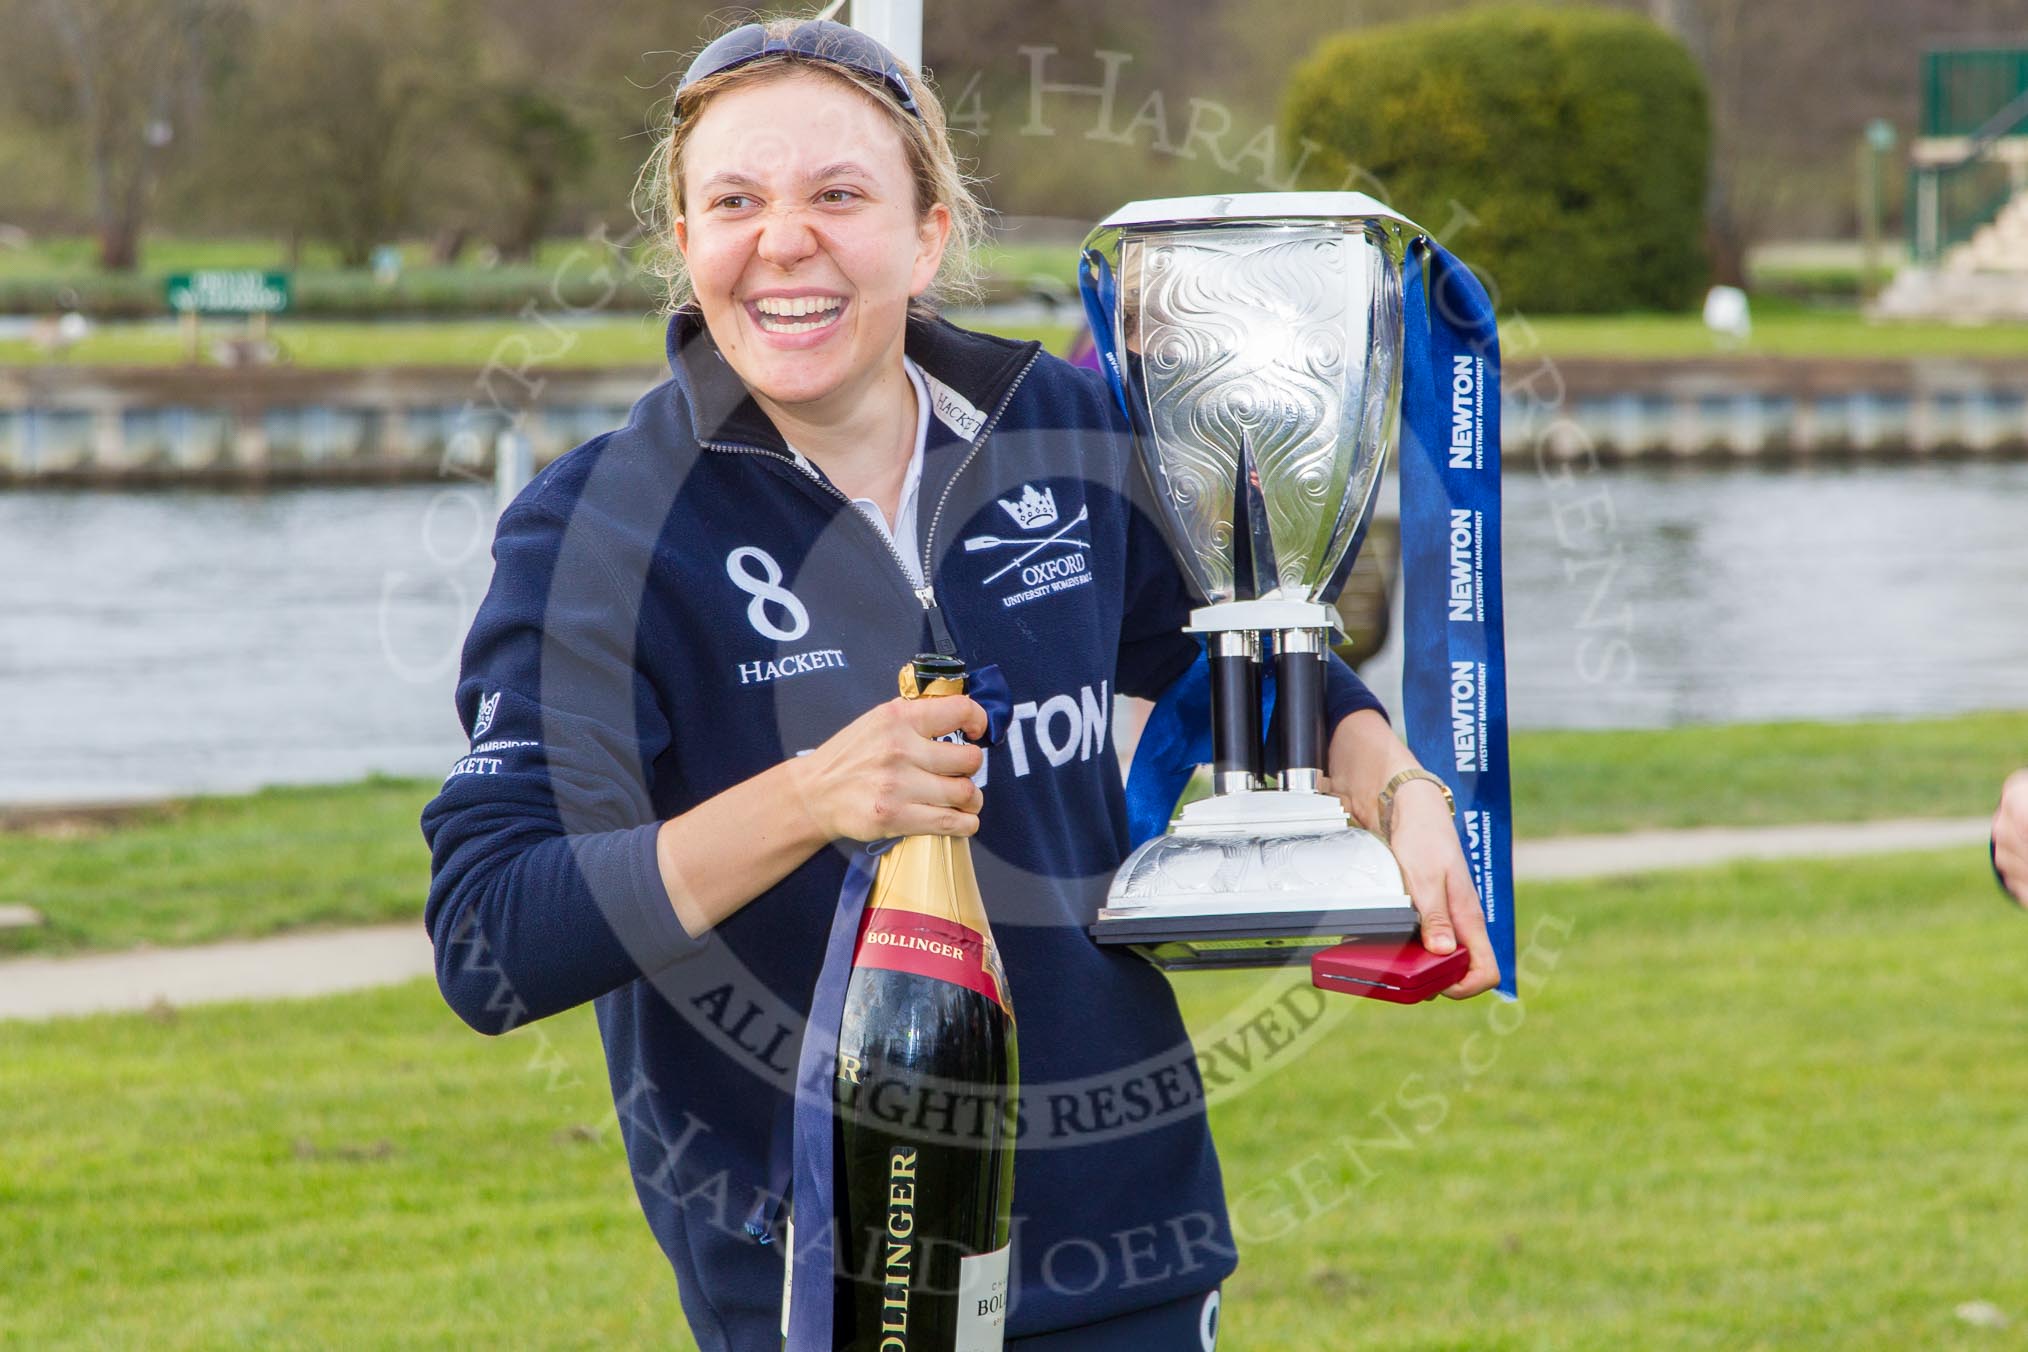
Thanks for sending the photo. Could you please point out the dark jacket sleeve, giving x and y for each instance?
(1345, 694)
(1154, 650)
(544, 889)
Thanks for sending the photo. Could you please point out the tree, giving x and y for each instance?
(344, 116)
(546, 149)
(129, 72)
(1712, 33)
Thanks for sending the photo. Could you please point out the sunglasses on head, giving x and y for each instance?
(817, 40)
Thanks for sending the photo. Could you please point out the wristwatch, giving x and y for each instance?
(1402, 777)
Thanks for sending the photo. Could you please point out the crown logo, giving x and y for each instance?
(1034, 509)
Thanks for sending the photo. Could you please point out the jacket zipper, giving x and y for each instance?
(926, 593)
(831, 488)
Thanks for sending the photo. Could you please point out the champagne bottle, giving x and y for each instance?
(925, 1092)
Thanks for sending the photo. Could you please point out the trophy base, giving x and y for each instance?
(1262, 879)
(1206, 943)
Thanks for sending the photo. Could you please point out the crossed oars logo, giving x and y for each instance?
(975, 543)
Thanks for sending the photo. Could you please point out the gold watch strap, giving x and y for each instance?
(1402, 777)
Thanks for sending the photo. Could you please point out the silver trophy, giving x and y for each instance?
(1258, 342)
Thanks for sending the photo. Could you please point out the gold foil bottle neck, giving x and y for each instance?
(932, 875)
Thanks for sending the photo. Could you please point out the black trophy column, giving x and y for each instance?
(1235, 711)
(1299, 705)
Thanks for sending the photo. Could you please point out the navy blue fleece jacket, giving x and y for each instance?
(675, 607)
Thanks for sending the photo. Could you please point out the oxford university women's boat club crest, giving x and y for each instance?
(1041, 562)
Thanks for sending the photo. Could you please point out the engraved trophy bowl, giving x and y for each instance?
(1256, 342)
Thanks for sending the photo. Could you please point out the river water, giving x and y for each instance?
(168, 642)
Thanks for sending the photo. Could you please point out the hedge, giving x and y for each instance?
(1575, 138)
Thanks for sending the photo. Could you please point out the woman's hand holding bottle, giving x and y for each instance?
(887, 773)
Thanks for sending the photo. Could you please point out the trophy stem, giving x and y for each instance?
(1235, 711)
(1299, 706)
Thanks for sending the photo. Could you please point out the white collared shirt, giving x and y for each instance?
(903, 533)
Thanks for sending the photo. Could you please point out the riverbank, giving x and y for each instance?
(433, 404)
(285, 859)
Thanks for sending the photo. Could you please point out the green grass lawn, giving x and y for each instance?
(1048, 262)
(342, 343)
(352, 854)
(1736, 1110)
(1782, 326)
(565, 275)
(637, 340)
(217, 868)
(625, 341)
(1765, 774)
(1780, 329)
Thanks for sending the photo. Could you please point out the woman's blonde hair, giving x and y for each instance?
(926, 142)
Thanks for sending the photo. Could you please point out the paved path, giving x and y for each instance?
(302, 965)
(289, 966)
(1647, 851)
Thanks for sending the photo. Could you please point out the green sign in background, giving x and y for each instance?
(229, 293)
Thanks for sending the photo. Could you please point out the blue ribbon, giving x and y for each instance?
(800, 1162)
(1101, 302)
(1454, 669)
(988, 689)
(1176, 740)
(813, 1172)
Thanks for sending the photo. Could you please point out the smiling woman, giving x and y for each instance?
(804, 252)
(812, 204)
(894, 94)
(687, 662)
